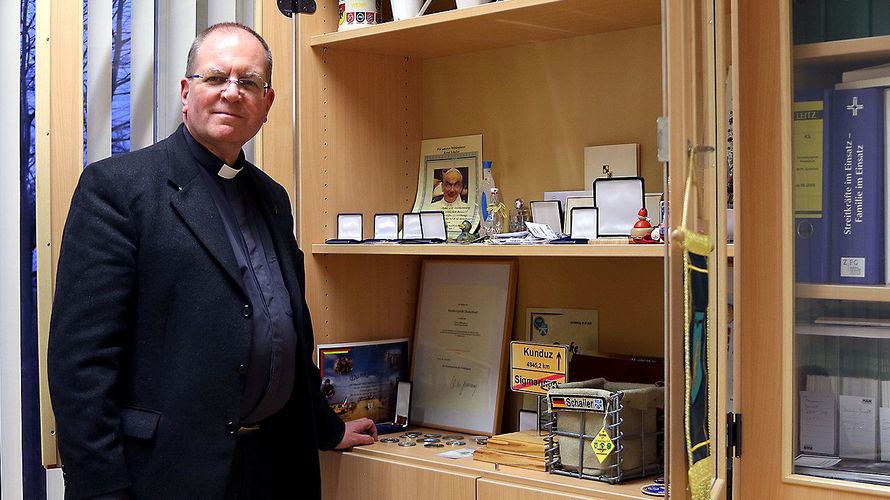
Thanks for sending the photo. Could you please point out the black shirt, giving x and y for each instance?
(269, 373)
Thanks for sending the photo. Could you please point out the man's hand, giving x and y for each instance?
(358, 432)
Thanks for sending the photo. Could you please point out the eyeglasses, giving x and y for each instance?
(217, 80)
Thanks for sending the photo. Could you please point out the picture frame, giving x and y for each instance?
(547, 212)
(349, 226)
(618, 200)
(386, 226)
(360, 379)
(585, 223)
(571, 203)
(463, 328)
(449, 166)
(411, 229)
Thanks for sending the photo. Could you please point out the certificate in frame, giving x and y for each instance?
(464, 316)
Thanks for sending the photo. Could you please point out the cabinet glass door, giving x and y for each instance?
(841, 342)
(697, 264)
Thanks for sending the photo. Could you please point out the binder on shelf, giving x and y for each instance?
(847, 19)
(810, 146)
(882, 83)
(857, 191)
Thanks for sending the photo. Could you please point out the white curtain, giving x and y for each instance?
(161, 33)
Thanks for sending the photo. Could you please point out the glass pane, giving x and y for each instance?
(842, 315)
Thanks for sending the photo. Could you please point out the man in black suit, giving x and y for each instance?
(180, 343)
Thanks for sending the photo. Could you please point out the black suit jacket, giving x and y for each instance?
(149, 336)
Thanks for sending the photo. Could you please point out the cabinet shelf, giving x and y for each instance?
(597, 250)
(557, 486)
(856, 50)
(493, 25)
(878, 293)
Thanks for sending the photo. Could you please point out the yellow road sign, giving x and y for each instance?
(534, 368)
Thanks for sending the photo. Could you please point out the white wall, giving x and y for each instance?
(10, 304)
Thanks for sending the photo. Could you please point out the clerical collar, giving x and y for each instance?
(210, 161)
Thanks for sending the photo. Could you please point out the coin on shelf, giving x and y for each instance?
(433, 445)
(389, 440)
(432, 435)
(455, 442)
(407, 443)
(655, 490)
(430, 440)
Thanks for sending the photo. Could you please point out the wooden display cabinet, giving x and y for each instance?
(770, 69)
(540, 80)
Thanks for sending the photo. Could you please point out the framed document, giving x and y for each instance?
(464, 320)
(359, 379)
(450, 173)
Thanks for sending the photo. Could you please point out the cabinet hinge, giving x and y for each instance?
(662, 126)
(288, 7)
(734, 435)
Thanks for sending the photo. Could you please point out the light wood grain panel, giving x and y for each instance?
(591, 250)
(843, 292)
(543, 481)
(364, 298)
(538, 105)
(495, 25)
(856, 50)
(275, 143)
(679, 106)
(759, 310)
(495, 490)
(359, 147)
(59, 151)
(369, 478)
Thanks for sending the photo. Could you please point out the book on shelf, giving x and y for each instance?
(878, 81)
(847, 19)
(857, 192)
(881, 70)
(880, 17)
(808, 21)
(810, 142)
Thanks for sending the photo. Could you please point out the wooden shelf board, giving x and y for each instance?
(494, 25)
(855, 50)
(867, 332)
(595, 250)
(418, 455)
(844, 292)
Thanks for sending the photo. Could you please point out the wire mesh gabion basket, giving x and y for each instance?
(605, 431)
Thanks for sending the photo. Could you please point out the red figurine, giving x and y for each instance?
(642, 230)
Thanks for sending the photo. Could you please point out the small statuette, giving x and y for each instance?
(642, 230)
(464, 236)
